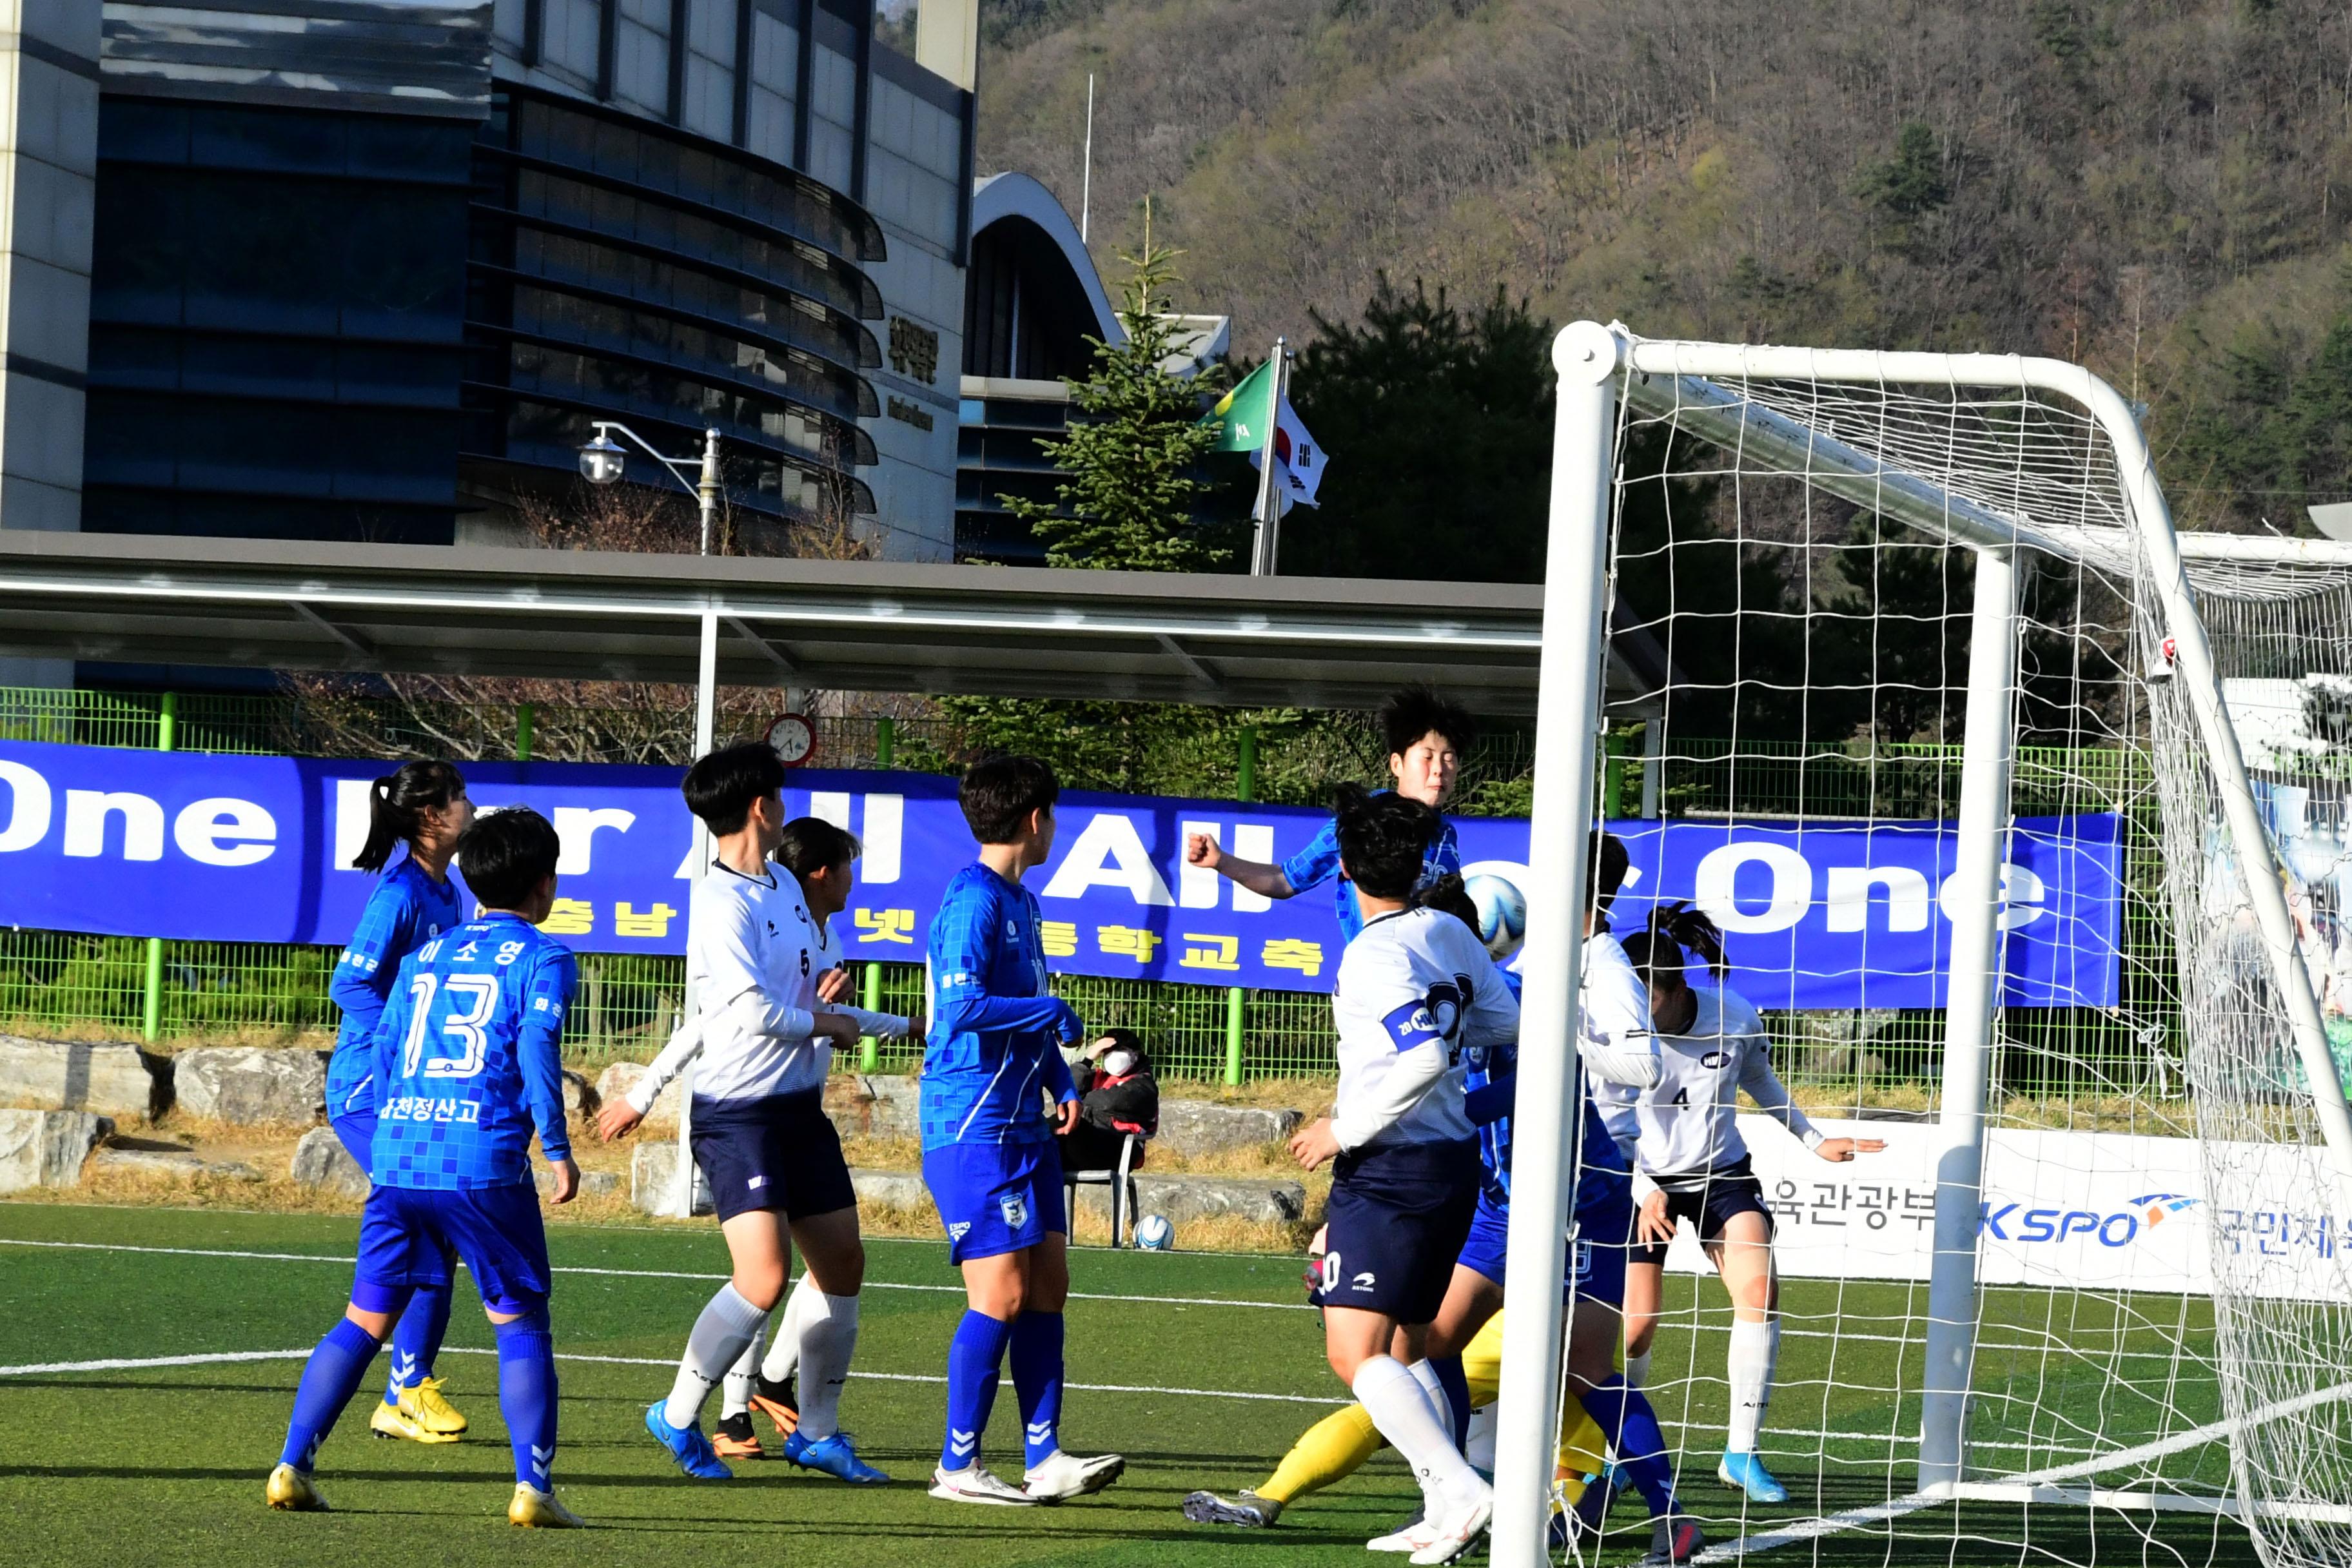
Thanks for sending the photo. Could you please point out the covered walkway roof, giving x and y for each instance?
(840, 625)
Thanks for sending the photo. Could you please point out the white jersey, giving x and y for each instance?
(1417, 993)
(754, 953)
(1688, 1126)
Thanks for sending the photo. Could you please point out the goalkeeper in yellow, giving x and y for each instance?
(1465, 1343)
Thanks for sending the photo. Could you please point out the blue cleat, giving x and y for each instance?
(686, 1445)
(1745, 1473)
(833, 1457)
(1579, 1524)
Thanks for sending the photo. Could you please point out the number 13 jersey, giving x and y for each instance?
(466, 1058)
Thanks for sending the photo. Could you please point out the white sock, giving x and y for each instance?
(1637, 1370)
(735, 1394)
(785, 1345)
(1404, 1415)
(1755, 1347)
(1426, 1375)
(725, 1327)
(828, 1339)
(1479, 1448)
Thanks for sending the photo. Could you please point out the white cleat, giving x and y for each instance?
(973, 1484)
(1066, 1476)
(1412, 1538)
(1456, 1534)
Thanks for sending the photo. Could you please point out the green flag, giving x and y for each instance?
(1246, 412)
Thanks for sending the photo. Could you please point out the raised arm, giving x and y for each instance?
(1617, 1040)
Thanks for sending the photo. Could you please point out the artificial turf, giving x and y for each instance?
(164, 1464)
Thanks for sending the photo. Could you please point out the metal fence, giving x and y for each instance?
(57, 983)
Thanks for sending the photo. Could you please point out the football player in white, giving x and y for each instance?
(1693, 1165)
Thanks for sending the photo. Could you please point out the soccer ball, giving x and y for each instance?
(1154, 1234)
(1502, 914)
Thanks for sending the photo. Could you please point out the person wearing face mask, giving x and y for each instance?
(1121, 1099)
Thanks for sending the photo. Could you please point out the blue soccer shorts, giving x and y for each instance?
(1398, 1217)
(355, 1131)
(1484, 1253)
(1604, 1241)
(996, 1198)
(407, 1233)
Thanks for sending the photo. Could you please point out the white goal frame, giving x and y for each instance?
(1596, 365)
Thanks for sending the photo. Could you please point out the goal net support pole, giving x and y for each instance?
(1971, 995)
(1680, 381)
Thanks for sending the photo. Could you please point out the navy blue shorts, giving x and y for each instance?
(1604, 1240)
(777, 1153)
(1397, 1221)
(996, 1198)
(1734, 1190)
(355, 1131)
(407, 1233)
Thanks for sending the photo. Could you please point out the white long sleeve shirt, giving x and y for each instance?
(753, 954)
(1416, 991)
(1687, 1126)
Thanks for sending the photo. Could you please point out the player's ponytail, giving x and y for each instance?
(1694, 929)
(396, 805)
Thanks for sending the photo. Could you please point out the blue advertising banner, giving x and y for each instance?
(1817, 914)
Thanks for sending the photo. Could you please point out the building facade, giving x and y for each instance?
(367, 269)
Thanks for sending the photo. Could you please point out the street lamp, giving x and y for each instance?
(603, 461)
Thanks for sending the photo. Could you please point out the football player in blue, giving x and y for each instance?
(992, 1064)
(419, 808)
(1427, 737)
(466, 1067)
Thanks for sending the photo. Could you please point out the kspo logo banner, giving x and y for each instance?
(258, 850)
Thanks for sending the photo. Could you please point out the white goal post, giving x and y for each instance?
(1708, 390)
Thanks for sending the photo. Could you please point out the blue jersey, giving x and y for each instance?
(467, 1059)
(1320, 863)
(1599, 1165)
(993, 1051)
(407, 910)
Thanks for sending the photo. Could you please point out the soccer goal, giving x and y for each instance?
(2025, 821)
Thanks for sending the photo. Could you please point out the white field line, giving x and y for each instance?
(2040, 1486)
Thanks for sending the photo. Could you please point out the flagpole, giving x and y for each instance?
(1268, 517)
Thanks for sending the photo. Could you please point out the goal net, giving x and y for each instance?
(2025, 823)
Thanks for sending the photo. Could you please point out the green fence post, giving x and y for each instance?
(1613, 776)
(869, 1050)
(886, 743)
(1237, 999)
(150, 1001)
(525, 715)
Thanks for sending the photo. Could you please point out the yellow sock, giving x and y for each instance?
(1333, 1450)
(1582, 1449)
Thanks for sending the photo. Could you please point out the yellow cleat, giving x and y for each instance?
(536, 1509)
(425, 1405)
(296, 1492)
(397, 1421)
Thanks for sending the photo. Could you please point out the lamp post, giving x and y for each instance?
(604, 462)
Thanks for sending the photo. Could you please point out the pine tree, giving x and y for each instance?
(1131, 457)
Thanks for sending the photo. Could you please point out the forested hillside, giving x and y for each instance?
(2157, 189)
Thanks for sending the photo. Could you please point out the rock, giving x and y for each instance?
(321, 1161)
(873, 1105)
(581, 1101)
(180, 1164)
(1184, 1198)
(620, 1078)
(890, 1189)
(251, 1084)
(105, 1078)
(1203, 1127)
(592, 1183)
(47, 1148)
(652, 1168)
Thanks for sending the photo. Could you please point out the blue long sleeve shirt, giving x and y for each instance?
(992, 1055)
(468, 1061)
(407, 910)
(1319, 863)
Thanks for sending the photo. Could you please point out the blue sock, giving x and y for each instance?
(416, 1339)
(1450, 1377)
(1626, 1419)
(330, 1378)
(1037, 1381)
(973, 1356)
(527, 1395)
